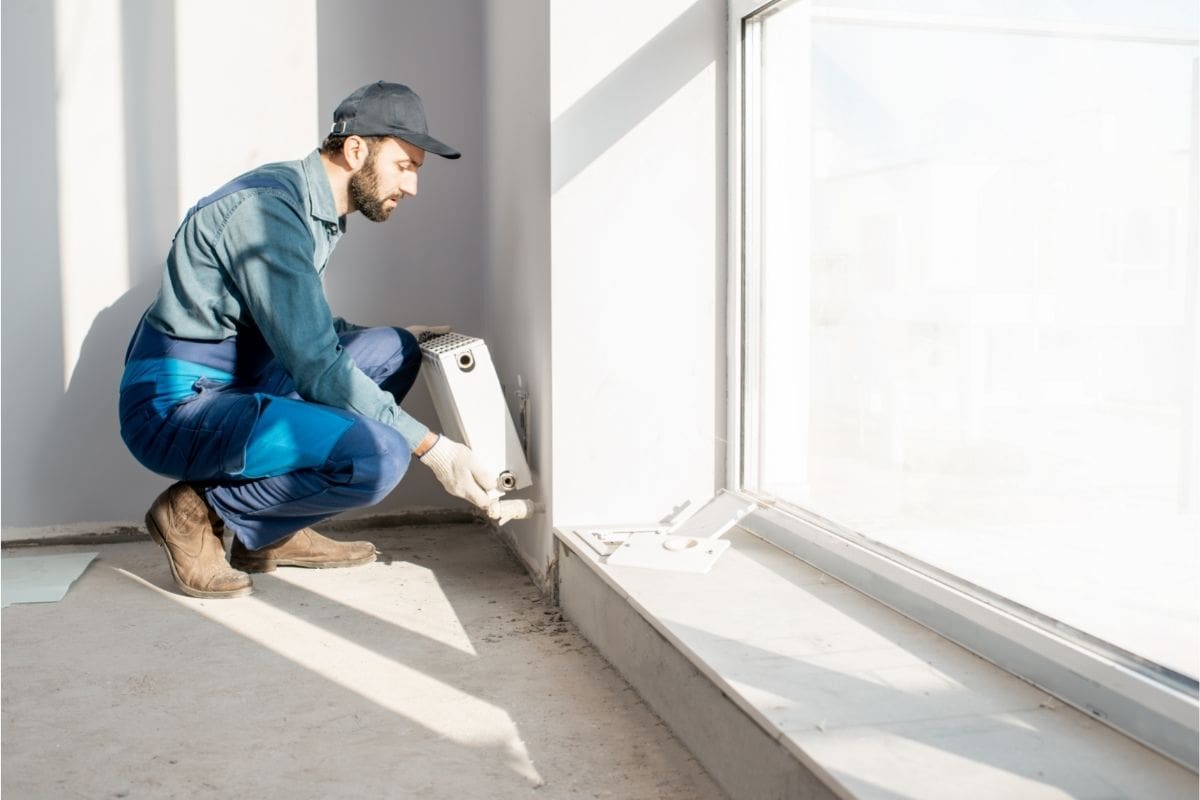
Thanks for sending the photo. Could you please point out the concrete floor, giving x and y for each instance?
(438, 672)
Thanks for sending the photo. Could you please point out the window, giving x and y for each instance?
(969, 300)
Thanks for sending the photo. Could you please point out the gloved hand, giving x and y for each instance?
(425, 332)
(461, 472)
(505, 510)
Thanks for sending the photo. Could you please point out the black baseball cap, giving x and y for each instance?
(387, 109)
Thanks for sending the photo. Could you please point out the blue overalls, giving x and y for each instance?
(224, 415)
(268, 462)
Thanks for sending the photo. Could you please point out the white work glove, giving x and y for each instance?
(461, 472)
(426, 332)
(505, 510)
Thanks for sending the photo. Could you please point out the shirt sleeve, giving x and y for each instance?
(267, 249)
(341, 325)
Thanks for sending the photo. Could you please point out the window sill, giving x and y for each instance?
(864, 701)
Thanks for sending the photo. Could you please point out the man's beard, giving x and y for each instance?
(364, 192)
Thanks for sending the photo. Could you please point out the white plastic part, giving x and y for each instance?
(679, 542)
(715, 517)
(605, 539)
(692, 545)
(663, 551)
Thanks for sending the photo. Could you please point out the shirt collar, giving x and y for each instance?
(320, 193)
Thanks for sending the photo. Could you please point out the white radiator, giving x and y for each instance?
(470, 405)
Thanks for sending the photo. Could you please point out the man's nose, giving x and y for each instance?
(408, 184)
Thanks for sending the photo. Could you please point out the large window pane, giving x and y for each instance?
(975, 304)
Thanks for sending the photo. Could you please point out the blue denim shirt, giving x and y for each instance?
(254, 260)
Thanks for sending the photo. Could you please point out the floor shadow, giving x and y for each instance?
(325, 683)
(175, 704)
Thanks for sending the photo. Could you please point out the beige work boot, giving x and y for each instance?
(182, 523)
(304, 548)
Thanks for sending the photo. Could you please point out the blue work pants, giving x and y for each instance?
(225, 417)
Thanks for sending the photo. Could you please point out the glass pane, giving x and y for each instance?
(977, 327)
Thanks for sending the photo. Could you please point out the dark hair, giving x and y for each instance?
(333, 143)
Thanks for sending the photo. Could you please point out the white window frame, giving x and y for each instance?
(1155, 705)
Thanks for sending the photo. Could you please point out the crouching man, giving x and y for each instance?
(271, 413)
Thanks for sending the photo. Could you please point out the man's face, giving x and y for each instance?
(388, 175)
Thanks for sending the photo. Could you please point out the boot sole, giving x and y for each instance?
(156, 535)
(269, 566)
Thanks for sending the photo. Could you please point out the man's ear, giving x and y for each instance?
(355, 150)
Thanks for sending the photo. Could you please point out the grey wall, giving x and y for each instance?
(517, 282)
(31, 332)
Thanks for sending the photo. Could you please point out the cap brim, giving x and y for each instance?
(429, 144)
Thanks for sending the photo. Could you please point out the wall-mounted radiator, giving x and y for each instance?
(470, 405)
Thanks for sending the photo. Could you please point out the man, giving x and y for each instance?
(271, 413)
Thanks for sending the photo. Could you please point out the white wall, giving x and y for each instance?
(638, 251)
(117, 116)
(582, 233)
(113, 111)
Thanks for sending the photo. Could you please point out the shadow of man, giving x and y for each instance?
(83, 462)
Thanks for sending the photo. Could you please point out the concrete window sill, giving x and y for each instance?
(853, 699)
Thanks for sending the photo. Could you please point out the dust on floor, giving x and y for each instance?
(437, 672)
